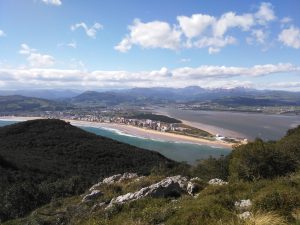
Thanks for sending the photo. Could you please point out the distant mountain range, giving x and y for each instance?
(61, 99)
(227, 97)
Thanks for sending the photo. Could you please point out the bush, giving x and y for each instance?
(259, 160)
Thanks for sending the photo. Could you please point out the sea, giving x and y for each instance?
(182, 152)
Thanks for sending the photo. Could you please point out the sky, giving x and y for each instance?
(96, 44)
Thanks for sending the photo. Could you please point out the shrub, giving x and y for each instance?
(259, 160)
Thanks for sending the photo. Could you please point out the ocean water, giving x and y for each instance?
(248, 125)
(186, 152)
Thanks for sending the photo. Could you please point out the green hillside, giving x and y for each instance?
(44, 159)
(264, 176)
(18, 103)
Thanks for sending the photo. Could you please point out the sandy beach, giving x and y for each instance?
(138, 132)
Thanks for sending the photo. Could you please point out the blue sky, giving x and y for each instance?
(137, 43)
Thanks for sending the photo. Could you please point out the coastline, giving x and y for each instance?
(138, 132)
(214, 130)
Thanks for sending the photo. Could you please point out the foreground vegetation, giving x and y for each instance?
(267, 173)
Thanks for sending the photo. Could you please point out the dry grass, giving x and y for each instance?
(269, 218)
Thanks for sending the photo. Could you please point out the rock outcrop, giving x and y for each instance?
(115, 179)
(94, 194)
(217, 181)
(170, 186)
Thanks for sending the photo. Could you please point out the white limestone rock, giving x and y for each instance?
(245, 215)
(94, 194)
(243, 205)
(192, 188)
(170, 186)
(217, 181)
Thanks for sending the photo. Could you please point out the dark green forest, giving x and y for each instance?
(45, 159)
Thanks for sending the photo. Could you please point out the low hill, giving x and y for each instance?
(18, 103)
(44, 159)
(93, 98)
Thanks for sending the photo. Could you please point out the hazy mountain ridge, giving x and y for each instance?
(151, 96)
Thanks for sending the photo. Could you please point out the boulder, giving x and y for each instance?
(243, 205)
(170, 186)
(94, 194)
(217, 181)
(245, 215)
(192, 188)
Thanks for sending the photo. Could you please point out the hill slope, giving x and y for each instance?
(42, 159)
(18, 103)
(262, 188)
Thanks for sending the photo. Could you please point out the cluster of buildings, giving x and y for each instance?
(142, 123)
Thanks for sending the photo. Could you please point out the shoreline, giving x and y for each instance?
(138, 132)
(214, 130)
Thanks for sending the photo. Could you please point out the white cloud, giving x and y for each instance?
(199, 30)
(259, 36)
(223, 71)
(90, 31)
(195, 25)
(265, 13)
(231, 20)
(214, 44)
(36, 59)
(124, 46)
(286, 20)
(206, 76)
(2, 34)
(53, 2)
(155, 34)
(290, 37)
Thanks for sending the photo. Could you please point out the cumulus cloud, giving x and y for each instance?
(231, 20)
(34, 58)
(290, 37)
(214, 44)
(52, 2)
(90, 31)
(207, 76)
(265, 13)
(2, 34)
(258, 35)
(195, 25)
(198, 31)
(155, 34)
